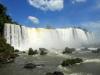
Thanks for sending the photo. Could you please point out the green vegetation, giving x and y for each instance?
(32, 52)
(6, 51)
(4, 18)
(68, 50)
(69, 62)
(43, 51)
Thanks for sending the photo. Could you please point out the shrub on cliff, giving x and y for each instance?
(4, 47)
(6, 50)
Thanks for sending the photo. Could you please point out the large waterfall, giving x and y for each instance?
(22, 37)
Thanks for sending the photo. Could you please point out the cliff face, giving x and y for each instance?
(22, 37)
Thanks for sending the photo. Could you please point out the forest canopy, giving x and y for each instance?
(6, 50)
(4, 18)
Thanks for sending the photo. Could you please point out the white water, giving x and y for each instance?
(92, 60)
(22, 37)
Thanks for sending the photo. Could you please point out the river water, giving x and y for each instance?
(90, 66)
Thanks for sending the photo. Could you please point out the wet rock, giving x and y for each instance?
(32, 52)
(30, 66)
(96, 51)
(68, 50)
(49, 73)
(58, 73)
(55, 73)
(10, 60)
(69, 62)
(5, 61)
(43, 51)
(40, 65)
(16, 50)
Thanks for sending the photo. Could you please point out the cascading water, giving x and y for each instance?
(22, 37)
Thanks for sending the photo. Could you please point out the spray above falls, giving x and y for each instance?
(22, 37)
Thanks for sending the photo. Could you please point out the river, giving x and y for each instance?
(90, 66)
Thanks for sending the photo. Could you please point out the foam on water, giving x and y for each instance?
(68, 71)
(92, 60)
(79, 74)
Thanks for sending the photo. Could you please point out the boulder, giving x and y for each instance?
(55, 73)
(58, 73)
(69, 62)
(68, 50)
(43, 51)
(30, 66)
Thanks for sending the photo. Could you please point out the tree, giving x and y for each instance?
(4, 18)
(6, 51)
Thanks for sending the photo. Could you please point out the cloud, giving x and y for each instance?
(33, 19)
(45, 5)
(97, 4)
(78, 1)
(94, 27)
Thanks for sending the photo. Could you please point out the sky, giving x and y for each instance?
(55, 13)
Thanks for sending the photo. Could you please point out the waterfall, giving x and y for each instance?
(22, 37)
